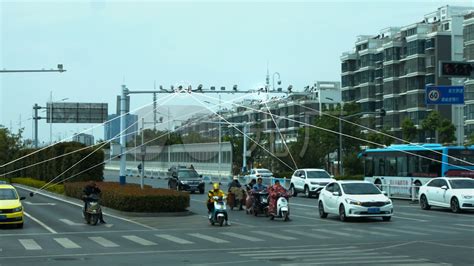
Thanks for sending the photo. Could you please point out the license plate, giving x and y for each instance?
(3, 217)
(373, 210)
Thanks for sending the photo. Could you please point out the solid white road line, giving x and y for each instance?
(82, 205)
(322, 256)
(375, 233)
(244, 237)
(66, 243)
(209, 238)
(40, 204)
(318, 236)
(30, 244)
(40, 223)
(174, 239)
(300, 254)
(466, 225)
(295, 249)
(277, 236)
(332, 231)
(453, 228)
(140, 240)
(103, 242)
(411, 219)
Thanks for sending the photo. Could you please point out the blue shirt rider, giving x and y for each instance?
(259, 186)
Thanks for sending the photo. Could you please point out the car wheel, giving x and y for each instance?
(322, 214)
(293, 191)
(306, 192)
(386, 218)
(201, 191)
(19, 225)
(455, 205)
(342, 213)
(424, 203)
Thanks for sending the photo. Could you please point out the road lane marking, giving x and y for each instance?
(311, 218)
(453, 228)
(244, 237)
(103, 242)
(40, 223)
(174, 239)
(306, 234)
(436, 231)
(30, 244)
(277, 236)
(326, 231)
(401, 231)
(69, 222)
(304, 205)
(368, 232)
(140, 240)
(466, 225)
(320, 256)
(209, 238)
(411, 219)
(291, 251)
(415, 214)
(82, 205)
(66, 243)
(40, 204)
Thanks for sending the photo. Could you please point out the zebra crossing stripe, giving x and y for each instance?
(306, 234)
(277, 236)
(368, 232)
(331, 231)
(140, 240)
(66, 243)
(30, 244)
(209, 238)
(103, 242)
(244, 237)
(401, 231)
(174, 239)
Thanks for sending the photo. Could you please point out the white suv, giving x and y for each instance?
(309, 181)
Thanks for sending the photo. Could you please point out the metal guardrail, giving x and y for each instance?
(409, 192)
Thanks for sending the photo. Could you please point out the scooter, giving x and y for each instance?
(219, 214)
(261, 203)
(282, 208)
(93, 210)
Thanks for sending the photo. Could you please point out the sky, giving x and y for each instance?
(104, 44)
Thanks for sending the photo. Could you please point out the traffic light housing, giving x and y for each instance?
(455, 69)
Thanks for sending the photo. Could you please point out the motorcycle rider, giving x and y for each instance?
(89, 189)
(275, 191)
(215, 192)
(259, 186)
(236, 188)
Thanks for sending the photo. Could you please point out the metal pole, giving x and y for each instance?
(169, 138)
(143, 156)
(154, 111)
(35, 118)
(220, 145)
(244, 155)
(123, 111)
(341, 170)
(51, 118)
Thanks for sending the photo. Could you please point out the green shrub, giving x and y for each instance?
(350, 177)
(132, 198)
(5, 179)
(27, 181)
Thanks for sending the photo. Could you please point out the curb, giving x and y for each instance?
(107, 210)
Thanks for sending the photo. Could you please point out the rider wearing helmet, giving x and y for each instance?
(215, 192)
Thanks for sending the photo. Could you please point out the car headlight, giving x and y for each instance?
(467, 196)
(388, 202)
(353, 202)
(18, 209)
(184, 182)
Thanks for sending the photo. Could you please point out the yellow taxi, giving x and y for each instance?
(11, 210)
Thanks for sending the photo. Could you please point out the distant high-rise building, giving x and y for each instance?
(85, 139)
(391, 69)
(468, 36)
(112, 127)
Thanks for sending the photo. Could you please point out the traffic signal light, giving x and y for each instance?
(455, 69)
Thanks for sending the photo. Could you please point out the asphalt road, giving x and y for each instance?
(55, 234)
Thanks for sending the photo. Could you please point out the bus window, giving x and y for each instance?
(369, 166)
(391, 166)
(402, 165)
(430, 163)
(379, 165)
(463, 157)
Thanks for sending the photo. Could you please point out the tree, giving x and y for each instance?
(446, 131)
(431, 123)
(10, 145)
(409, 130)
(470, 140)
(381, 138)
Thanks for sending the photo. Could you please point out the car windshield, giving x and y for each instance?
(461, 183)
(318, 174)
(360, 189)
(188, 174)
(8, 194)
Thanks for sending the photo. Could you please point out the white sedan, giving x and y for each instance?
(454, 193)
(354, 199)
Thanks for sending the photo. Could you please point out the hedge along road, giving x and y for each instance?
(55, 216)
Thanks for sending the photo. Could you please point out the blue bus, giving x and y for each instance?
(398, 167)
